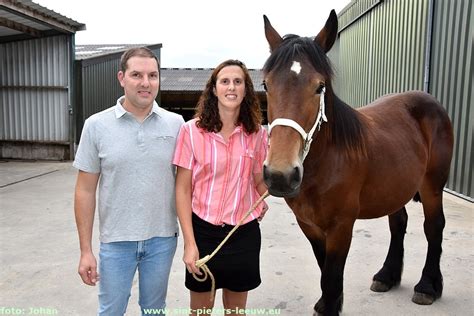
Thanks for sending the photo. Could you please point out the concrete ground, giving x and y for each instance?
(40, 252)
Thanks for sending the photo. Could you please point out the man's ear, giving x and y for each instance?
(120, 76)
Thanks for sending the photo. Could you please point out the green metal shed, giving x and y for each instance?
(400, 45)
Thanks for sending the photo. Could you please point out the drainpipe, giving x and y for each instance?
(429, 32)
(71, 95)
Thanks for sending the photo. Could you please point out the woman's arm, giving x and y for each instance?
(259, 183)
(184, 210)
(261, 189)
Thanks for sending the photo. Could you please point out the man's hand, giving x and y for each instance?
(88, 269)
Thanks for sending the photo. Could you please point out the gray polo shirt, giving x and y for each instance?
(137, 179)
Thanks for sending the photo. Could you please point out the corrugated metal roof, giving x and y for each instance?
(21, 17)
(184, 79)
(97, 50)
(48, 13)
(195, 79)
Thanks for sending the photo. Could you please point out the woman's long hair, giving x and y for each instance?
(207, 111)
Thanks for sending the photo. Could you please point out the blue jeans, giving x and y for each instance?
(118, 264)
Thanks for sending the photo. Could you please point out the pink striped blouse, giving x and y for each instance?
(222, 181)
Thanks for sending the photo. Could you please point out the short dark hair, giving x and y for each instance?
(207, 111)
(137, 51)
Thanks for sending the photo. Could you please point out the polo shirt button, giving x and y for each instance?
(223, 225)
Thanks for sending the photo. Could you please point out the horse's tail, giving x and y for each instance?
(417, 197)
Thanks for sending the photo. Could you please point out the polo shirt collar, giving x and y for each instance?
(238, 129)
(120, 110)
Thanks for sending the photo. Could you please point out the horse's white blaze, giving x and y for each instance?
(296, 67)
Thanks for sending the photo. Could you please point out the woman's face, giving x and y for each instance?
(230, 88)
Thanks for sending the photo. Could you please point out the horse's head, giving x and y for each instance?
(296, 77)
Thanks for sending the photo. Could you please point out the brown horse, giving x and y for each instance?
(363, 163)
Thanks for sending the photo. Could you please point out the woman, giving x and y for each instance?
(219, 155)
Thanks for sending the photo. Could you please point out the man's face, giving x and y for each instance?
(141, 82)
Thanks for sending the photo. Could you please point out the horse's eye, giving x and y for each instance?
(264, 84)
(320, 89)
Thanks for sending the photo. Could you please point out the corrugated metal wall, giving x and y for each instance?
(451, 82)
(34, 86)
(100, 87)
(97, 89)
(384, 47)
(382, 51)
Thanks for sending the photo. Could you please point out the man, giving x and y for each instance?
(126, 151)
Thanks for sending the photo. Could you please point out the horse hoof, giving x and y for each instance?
(422, 299)
(316, 313)
(318, 308)
(378, 286)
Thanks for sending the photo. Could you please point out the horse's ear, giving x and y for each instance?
(327, 36)
(273, 38)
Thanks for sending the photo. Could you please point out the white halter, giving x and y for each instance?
(307, 138)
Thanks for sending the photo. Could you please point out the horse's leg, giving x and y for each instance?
(317, 240)
(440, 134)
(430, 286)
(391, 272)
(338, 241)
(319, 250)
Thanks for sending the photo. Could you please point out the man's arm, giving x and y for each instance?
(84, 209)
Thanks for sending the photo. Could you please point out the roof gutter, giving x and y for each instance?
(429, 34)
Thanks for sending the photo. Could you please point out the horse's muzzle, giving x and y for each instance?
(283, 184)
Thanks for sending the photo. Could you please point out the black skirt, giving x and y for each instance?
(236, 266)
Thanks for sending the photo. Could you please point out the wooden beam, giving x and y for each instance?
(19, 27)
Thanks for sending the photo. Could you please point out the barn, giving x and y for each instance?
(36, 81)
(384, 46)
(97, 87)
(397, 45)
(182, 87)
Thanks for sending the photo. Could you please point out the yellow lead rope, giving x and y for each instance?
(201, 263)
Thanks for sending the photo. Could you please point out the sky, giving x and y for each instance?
(199, 33)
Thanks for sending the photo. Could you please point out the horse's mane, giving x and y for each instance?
(294, 46)
(346, 129)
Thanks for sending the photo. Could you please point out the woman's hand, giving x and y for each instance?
(190, 256)
(264, 210)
